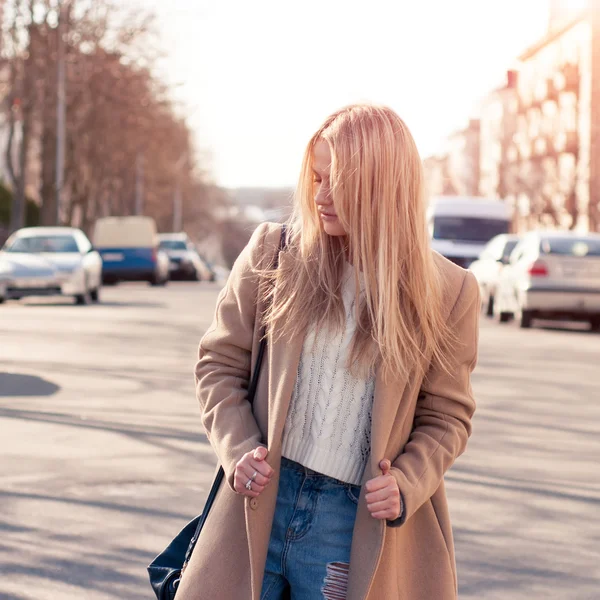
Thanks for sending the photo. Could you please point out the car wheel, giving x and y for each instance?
(595, 323)
(504, 317)
(525, 319)
(2, 299)
(83, 299)
(501, 315)
(156, 281)
(490, 306)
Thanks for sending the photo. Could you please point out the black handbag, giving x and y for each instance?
(166, 569)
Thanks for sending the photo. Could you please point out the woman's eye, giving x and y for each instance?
(318, 180)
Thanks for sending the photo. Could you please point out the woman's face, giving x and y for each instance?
(322, 187)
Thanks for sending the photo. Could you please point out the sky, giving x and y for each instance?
(258, 78)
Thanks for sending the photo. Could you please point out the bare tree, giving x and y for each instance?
(119, 114)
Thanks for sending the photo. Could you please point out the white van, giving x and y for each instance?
(460, 226)
(129, 250)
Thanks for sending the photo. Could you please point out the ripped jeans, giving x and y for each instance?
(309, 549)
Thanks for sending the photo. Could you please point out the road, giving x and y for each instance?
(103, 459)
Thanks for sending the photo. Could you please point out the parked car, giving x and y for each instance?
(488, 267)
(23, 275)
(130, 251)
(211, 273)
(184, 260)
(461, 226)
(49, 261)
(551, 275)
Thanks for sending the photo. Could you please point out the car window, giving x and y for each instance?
(507, 249)
(571, 246)
(468, 229)
(173, 245)
(517, 253)
(46, 243)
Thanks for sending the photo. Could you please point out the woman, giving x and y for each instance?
(335, 476)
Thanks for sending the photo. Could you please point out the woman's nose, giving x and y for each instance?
(323, 198)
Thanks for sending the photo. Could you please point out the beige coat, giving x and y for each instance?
(421, 427)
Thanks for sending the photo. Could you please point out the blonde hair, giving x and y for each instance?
(378, 192)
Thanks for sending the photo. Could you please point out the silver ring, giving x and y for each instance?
(249, 485)
(253, 476)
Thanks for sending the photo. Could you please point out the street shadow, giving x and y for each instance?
(147, 512)
(564, 327)
(19, 385)
(465, 476)
(485, 572)
(158, 437)
(145, 379)
(579, 327)
(6, 527)
(102, 303)
(93, 565)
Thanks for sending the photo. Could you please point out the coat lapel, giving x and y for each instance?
(284, 357)
(383, 417)
(369, 534)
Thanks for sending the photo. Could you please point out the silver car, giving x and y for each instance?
(66, 251)
(551, 275)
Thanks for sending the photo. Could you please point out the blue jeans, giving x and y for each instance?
(309, 549)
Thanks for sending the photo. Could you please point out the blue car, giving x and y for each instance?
(130, 250)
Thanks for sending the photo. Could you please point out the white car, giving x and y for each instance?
(21, 275)
(76, 266)
(551, 275)
(488, 267)
(184, 260)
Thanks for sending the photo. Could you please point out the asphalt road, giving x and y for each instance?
(103, 460)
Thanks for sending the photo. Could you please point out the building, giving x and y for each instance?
(463, 151)
(547, 171)
(456, 170)
(539, 134)
(540, 146)
(497, 128)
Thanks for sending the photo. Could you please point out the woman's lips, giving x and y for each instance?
(328, 216)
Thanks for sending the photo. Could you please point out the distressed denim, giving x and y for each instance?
(309, 549)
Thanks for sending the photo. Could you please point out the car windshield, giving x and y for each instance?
(173, 245)
(44, 243)
(575, 246)
(467, 229)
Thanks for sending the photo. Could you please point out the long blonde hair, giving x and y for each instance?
(378, 193)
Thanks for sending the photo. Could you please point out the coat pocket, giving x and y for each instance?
(439, 524)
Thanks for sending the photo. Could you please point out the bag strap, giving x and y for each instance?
(251, 394)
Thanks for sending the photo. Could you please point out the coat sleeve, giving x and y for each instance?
(445, 406)
(223, 369)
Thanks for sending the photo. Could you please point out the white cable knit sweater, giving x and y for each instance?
(328, 426)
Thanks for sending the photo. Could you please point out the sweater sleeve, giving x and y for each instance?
(223, 369)
(445, 406)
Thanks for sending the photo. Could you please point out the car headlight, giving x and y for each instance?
(5, 269)
(74, 274)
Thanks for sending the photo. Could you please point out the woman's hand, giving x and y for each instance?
(383, 496)
(252, 468)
